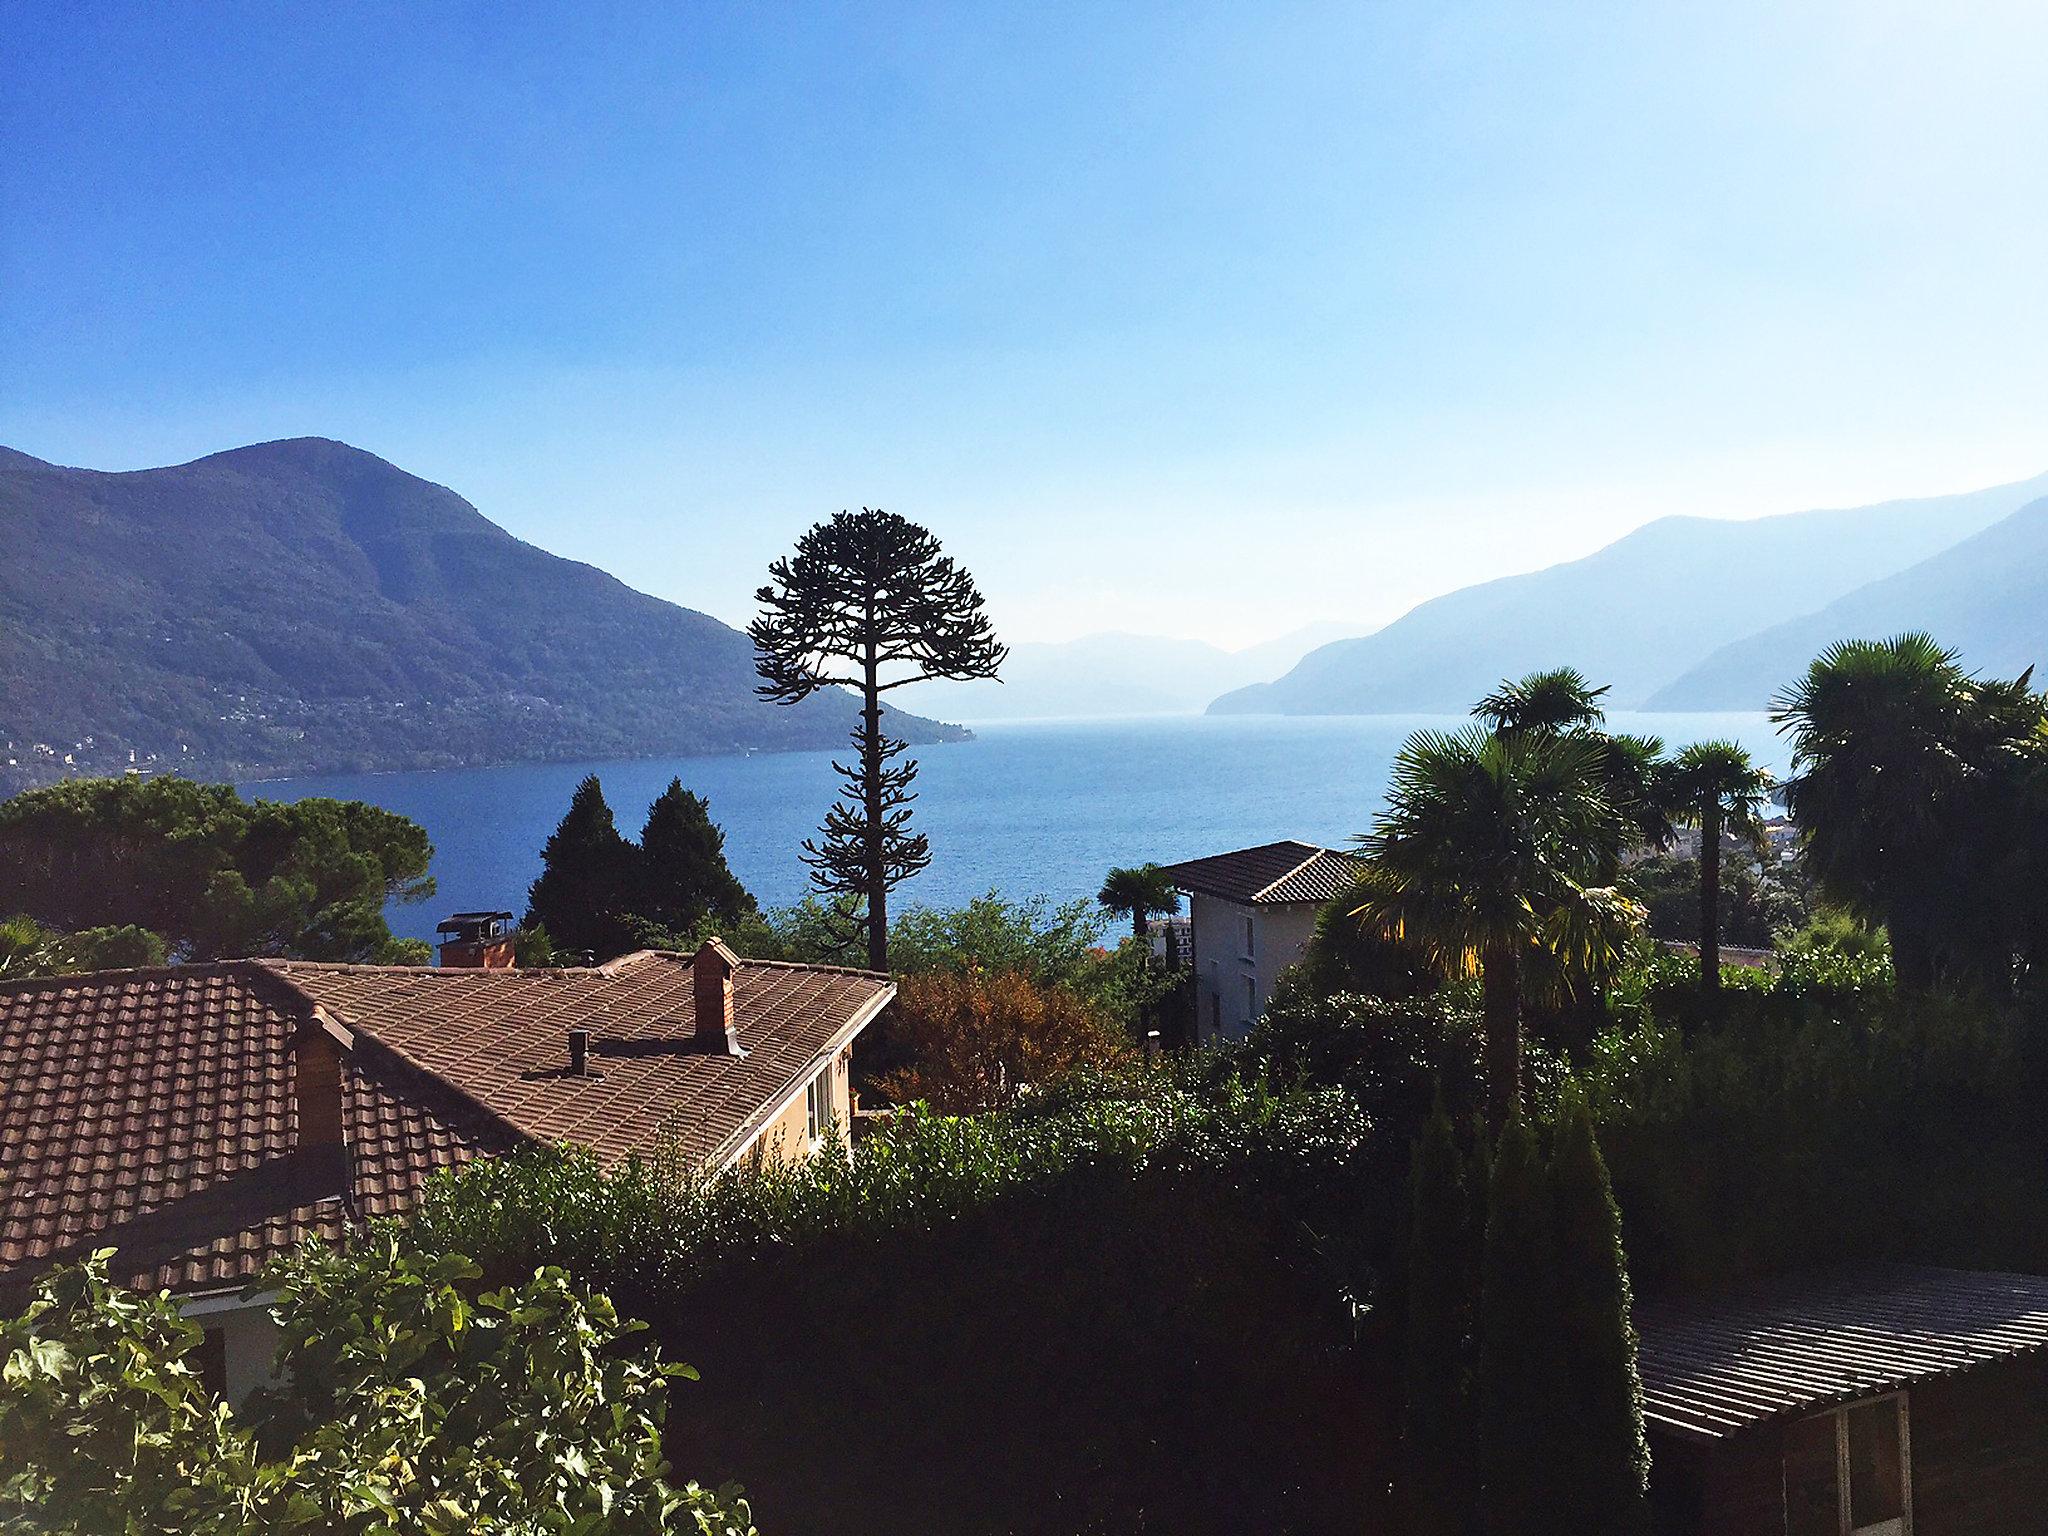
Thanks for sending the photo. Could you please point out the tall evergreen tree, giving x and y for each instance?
(869, 603)
(587, 871)
(1518, 1362)
(1599, 1396)
(683, 877)
(1437, 1428)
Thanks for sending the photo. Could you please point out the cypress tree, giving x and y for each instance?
(1518, 1350)
(1600, 1409)
(587, 873)
(1437, 1429)
(684, 878)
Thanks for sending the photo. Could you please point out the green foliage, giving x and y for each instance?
(1142, 891)
(1923, 796)
(1597, 1399)
(104, 1421)
(1520, 1358)
(1758, 901)
(212, 874)
(1344, 955)
(1129, 1287)
(600, 895)
(683, 880)
(867, 603)
(587, 875)
(1826, 1117)
(1489, 854)
(411, 1402)
(1437, 1423)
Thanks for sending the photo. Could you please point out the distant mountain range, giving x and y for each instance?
(1687, 593)
(1986, 597)
(1116, 674)
(304, 606)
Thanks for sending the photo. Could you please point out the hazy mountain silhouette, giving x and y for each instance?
(1635, 614)
(1986, 597)
(1116, 674)
(303, 605)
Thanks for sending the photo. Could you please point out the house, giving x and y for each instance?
(1251, 914)
(202, 1119)
(1879, 1400)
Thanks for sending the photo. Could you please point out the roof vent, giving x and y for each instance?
(714, 968)
(579, 1053)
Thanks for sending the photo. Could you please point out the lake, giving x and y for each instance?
(1024, 808)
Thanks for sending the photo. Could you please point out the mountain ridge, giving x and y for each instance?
(304, 606)
(1986, 596)
(1635, 613)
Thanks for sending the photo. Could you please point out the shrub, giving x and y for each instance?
(411, 1401)
(977, 1041)
(1131, 1286)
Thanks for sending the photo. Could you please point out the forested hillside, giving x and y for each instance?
(305, 606)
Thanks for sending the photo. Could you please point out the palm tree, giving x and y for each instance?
(1561, 699)
(1880, 754)
(1140, 891)
(1489, 850)
(1715, 787)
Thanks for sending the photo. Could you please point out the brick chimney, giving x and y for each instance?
(317, 1052)
(714, 967)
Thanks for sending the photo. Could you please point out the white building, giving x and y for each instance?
(1251, 915)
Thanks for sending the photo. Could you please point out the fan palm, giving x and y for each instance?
(1561, 699)
(1879, 756)
(1714, 786)
(1489, 850)
(1141, 891)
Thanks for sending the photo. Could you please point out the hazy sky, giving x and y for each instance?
(1201, 320)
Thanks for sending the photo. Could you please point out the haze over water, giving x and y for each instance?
(1024, 808)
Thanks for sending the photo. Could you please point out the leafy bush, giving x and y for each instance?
(978, 1041)
(411, 1401)
(1131, 1286)
(1824, 1121)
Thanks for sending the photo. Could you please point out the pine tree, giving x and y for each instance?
(1518, 1348)
(683, 877)
(1600, 1399)
(587, 874)
(1437, 1428)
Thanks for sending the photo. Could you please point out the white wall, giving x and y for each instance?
(248, 1337)
(1233, 980)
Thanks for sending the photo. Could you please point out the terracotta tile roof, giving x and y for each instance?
(1283, 871)
(152, 1110)
(1717, 1365)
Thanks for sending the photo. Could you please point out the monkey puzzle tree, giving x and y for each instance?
(869, 602)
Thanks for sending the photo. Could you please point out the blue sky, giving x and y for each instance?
(1200, 320)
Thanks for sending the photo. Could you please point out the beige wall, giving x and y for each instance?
(248, 1340)
(788, 1135)
(1233, 980)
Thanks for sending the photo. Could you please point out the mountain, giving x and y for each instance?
(1116, 674)
(1634, 615)
(304, 606)
(1987, 597)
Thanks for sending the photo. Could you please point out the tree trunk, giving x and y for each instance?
(877, 892)
(1501, 985)
(1710, 901)
(1137, 922)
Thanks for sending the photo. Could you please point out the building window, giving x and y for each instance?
(1251, 999)
(210, 1360)
(1250, 938)
(818, 1104)
(1849, 1472)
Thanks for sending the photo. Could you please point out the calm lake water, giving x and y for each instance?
(1024, 808)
